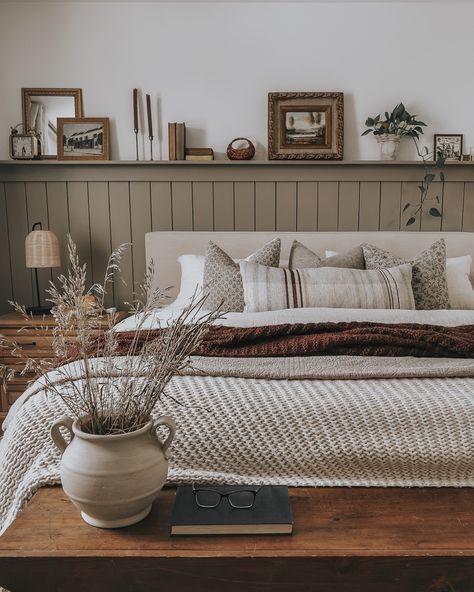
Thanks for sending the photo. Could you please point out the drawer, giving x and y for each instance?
(14, 393)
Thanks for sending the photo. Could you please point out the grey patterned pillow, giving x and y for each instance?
(222, 279)
(430, 286)
(301, 258)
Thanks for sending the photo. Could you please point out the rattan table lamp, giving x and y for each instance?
(42, 251)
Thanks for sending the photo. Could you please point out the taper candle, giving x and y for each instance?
(135, 110)
(148, 110)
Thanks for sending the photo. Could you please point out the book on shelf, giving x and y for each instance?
(270, 513)
(180, 140)
(199, 154)
(172, 141)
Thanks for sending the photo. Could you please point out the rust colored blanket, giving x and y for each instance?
(350, 339)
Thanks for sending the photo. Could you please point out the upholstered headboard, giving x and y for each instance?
(165, 247)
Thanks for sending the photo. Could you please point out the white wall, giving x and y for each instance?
(212, 64)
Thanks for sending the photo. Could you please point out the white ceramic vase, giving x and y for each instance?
(389, 144)
(113, 480)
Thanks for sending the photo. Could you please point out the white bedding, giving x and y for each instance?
(447, 318)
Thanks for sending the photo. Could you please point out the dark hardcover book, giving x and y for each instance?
(270, 514)
(199, 152)
(180, 141)
(172, 141)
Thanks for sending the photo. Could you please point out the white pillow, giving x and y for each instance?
(192, 274)
(461, 294)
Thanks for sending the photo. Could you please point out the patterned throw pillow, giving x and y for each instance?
(301, 258)
(222, 279)
(267, 288)
(430, 286)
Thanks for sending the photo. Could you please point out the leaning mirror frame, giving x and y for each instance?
(27, 93)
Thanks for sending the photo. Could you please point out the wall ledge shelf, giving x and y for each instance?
(223, 162)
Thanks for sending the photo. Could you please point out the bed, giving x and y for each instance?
(317, 421)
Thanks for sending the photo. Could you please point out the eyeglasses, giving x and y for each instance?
(241, 499)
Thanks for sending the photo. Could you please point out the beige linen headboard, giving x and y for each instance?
(165, 247)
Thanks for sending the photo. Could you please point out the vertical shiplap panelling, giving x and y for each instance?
(223, 205)
(6, 293)
(369, 205)
(203, 208)
(265, 200)
(79, 222)
(468, 212)
(410, 195)
(453, 197)
(348, 212)
(328, 205)
(17, 230)
(100, 233)
(244, 205)
(307, 206)
(121, 233)
(390, 196)
(140, 213)
(434, 199)
(161, 210)
(182, 204)
(59, 219)
(37, 210)
(286, 205)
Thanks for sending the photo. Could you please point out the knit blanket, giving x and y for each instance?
(330, 339)
(301, 432)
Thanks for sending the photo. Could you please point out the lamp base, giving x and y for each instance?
(38, 310)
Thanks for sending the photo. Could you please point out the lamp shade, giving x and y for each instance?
(42, 249)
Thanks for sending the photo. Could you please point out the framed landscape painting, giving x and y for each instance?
(305, 125)
(83, 138)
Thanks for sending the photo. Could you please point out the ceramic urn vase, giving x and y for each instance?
(113, 480)
(389, 144)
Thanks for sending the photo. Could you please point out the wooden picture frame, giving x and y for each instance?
(305, 125)
(457, 146)
(26, 101)
(83, 138)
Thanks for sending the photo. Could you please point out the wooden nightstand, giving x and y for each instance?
(36, 341)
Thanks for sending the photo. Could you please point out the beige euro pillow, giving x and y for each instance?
(301, 257)
(268, 288)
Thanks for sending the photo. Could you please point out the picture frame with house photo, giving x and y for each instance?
(83, 138)
(450, 146)
(305, 125)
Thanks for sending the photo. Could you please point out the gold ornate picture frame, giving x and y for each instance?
(305, 125)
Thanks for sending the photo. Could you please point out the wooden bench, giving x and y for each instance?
(357, 540)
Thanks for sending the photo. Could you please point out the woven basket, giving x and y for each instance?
(246, 153)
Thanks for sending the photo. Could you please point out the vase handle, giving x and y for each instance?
(63, 422)
(165, 420)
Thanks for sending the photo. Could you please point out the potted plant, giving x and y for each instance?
(389, 131)
(114, 463)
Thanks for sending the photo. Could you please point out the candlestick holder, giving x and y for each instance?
(151, 147)
(136, 142)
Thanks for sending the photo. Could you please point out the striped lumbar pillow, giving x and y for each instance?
(269, 288)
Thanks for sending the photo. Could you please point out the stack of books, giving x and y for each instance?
(176, 140)
(199, 154)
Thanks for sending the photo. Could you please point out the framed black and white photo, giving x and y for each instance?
(449, 145)
(83, 138)
(305, 125)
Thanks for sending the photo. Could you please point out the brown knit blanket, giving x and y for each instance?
(325, 339)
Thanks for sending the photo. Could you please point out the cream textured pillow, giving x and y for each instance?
(301, 257)
(461, 294)
(267, 288)
(430, 286)
(222, 280)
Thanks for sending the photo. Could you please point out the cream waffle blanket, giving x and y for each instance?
(303, 421)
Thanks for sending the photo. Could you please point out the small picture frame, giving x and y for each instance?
(83, 138)
(305, 125)
(450, 145)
